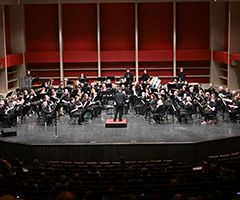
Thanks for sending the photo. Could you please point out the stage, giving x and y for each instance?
(137, 131)
(139, 140)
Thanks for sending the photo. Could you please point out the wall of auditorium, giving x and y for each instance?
(61, 39)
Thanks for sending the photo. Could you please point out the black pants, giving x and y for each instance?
(233, 115)
(119, 109)
(6, 118)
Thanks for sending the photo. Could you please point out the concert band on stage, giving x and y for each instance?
(149, 98)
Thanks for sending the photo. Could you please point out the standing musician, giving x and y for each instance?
(145, 78)
(181, 75)
(129, 76)
(28, 80)
(210, 110)
(120, 100)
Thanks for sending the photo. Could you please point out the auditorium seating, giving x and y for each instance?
(141, 178)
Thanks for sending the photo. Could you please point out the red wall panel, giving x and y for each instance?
(146, 65)
(192, 25)
(14, 59)
(155, 23)
(7, 29)
(41, 24)
(117, 26)
(79, 27)
(80, 65)
(120, 65)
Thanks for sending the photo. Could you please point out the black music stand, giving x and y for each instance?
(112, 78)
(35, 80)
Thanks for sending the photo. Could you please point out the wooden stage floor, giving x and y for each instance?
(138, 131)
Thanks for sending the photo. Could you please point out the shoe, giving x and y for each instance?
(204, 123)
(120, 120)
(211, 122)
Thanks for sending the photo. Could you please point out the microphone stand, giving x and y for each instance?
(55, 113)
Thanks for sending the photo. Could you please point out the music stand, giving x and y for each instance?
(9, 94)
(101, 79)
(35, 80)
(112, 78)
(175, 78)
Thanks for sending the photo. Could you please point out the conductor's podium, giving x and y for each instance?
(115, 124)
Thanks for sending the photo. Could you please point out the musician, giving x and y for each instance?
(56, 102)
(151, 106)
(28, 80)
(145, 76)
(199, 87)
(129, 76)
(221, 90)
(211, 89)
(4, 114)
(87, 105)
(235, 109)
(228, 94)
(47, 113)
(75, 107)
(82, 77)
(159, 111)
(96, 105)
(77, 85)
(183, 91)
(210, 110)
(65, 99)
(181, 75)
(119, 100)
(186, 109)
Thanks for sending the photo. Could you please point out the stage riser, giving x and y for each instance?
(191, 153)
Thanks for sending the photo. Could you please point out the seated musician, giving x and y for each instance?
(151, 106)
(211, 89)
(210, 111)
(221, 90)
(74, 110)
(140, 105)
(96, 105)
(65, 100)
(235, 109)
(56, 101)
(145, 77)
(183, 90)
(87, 105)
(47, 113)
(159, 111)
(199, 87)
(186, 109)
(228, 94)
(3, 113)
(77, 84)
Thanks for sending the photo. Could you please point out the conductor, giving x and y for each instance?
(120, 100)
